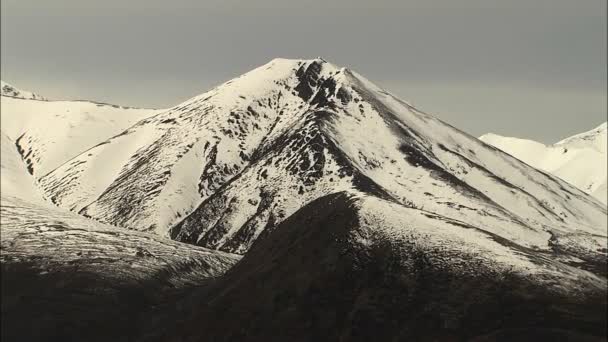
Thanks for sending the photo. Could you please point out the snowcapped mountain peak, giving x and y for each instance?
(294, 61)
(223, 167)
(11, 91)
(264, 79)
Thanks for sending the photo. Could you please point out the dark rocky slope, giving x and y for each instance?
(309, 281)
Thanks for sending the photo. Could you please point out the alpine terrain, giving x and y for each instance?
(49, 133)
(354, 215)
(10, 91)
(580, 159)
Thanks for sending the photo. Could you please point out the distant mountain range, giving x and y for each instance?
(580, 160)
(357, 216)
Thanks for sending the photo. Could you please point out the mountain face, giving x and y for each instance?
(49, 133)
(8, 90)
(580, 160)
(223, 167)
(359, 217)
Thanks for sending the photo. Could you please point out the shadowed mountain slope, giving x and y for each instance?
(336, 271)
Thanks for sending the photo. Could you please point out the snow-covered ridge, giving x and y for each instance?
(595, 138)
(580, 160)
(11, 91)
(49, 133)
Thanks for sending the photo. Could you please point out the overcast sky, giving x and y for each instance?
(526, 68)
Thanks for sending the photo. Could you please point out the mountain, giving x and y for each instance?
(580, 160)
(49, 133)
(359, 217)
(224, 166)
(8, 90)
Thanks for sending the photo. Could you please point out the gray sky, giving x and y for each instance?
(526, 68)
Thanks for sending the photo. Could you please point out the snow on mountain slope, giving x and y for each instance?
(49, 133)
(600, 192)
(261, 146)
(32, 231)
(595, 138)
(8, 90)
(581, 160)
(172, 161)
(63, 271)
(59, 267)
(16, 181)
